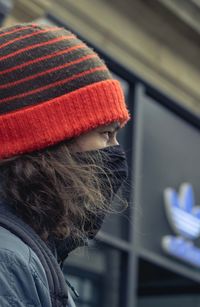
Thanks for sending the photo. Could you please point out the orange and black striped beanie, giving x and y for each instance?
(52, 87)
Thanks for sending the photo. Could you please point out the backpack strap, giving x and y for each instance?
(56, 281)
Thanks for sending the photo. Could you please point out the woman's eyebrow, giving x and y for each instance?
(115, 126)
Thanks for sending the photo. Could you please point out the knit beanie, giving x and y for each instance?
(53, 87)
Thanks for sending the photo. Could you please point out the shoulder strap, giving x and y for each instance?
(55, 277)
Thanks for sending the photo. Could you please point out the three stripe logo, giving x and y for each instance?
(184, 218)
(182, 213)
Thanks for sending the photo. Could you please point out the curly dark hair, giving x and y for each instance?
(52, 192)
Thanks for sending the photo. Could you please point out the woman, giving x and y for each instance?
(60, 162)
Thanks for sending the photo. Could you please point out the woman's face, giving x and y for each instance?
(101, 137)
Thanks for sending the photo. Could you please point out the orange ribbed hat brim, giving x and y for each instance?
(42, 125)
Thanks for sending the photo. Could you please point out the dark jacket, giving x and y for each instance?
(23, 279)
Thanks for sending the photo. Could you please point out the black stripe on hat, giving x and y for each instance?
(48, 94)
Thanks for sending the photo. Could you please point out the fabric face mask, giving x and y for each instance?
(113, 161)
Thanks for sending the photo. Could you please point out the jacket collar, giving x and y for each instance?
(59, 248)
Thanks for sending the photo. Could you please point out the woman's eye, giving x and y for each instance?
(108, 134)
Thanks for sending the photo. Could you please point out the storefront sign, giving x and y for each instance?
(184, 218)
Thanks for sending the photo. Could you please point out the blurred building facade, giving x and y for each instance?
(152, 47)
(157, 39)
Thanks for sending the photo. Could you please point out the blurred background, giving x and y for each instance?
(153, 48)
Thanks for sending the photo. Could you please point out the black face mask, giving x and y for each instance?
(113, 162)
